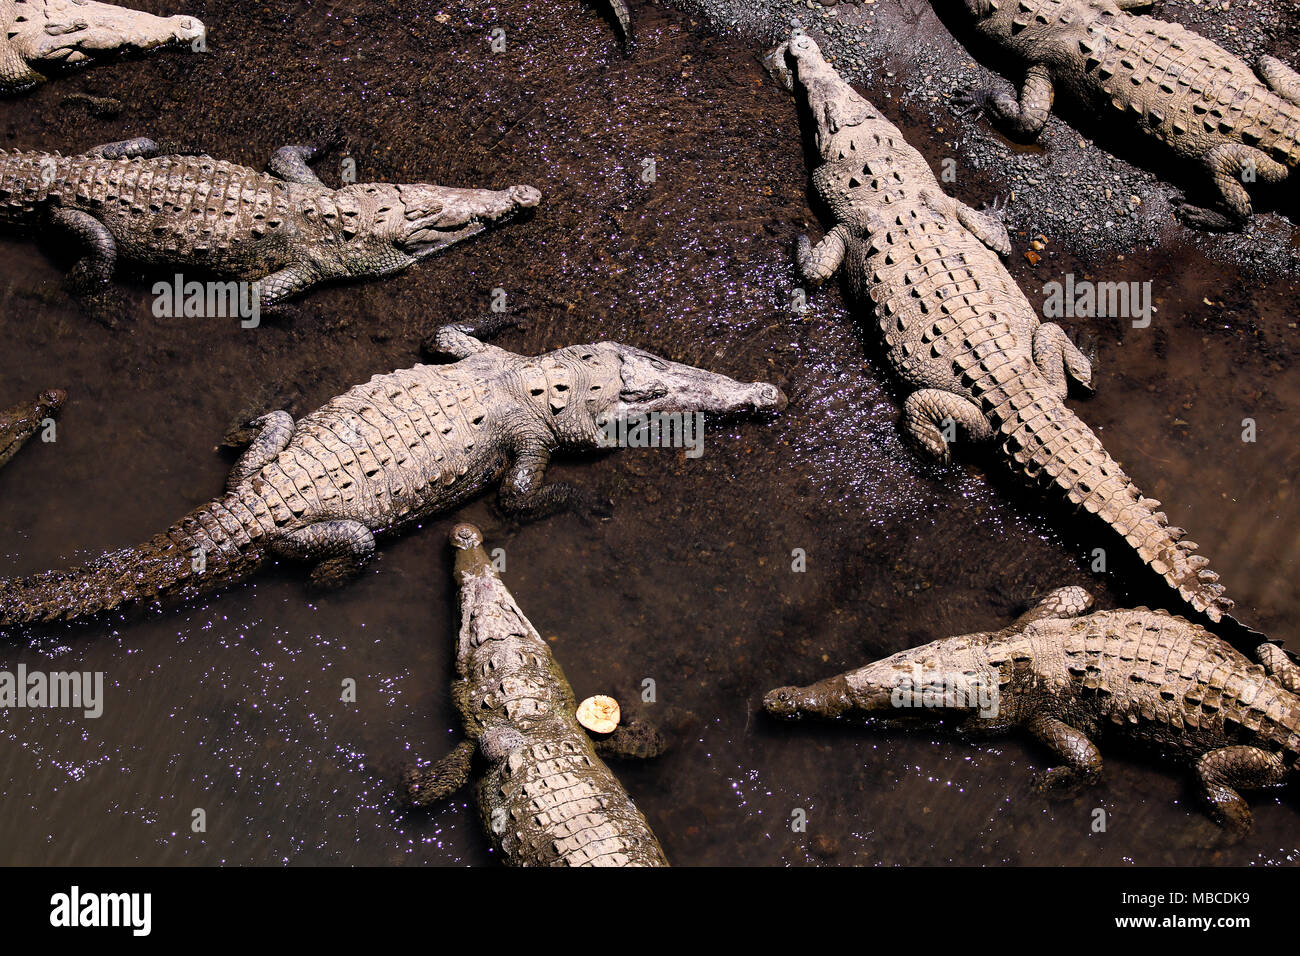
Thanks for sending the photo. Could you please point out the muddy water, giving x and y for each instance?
(232, 705)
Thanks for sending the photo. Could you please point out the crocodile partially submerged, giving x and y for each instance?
(39, 37)
(390, 453)
(20, 422)
(959, 331)
(544, 796)
(1239, 125)
(285, 231)
(1070, 678)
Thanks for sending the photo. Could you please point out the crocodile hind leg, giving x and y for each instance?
(426, 785)
(95, 269)
(1279, 78)
(1024, 116)
(1231, 165)
(339, 548)
(1082, 759)
(1057, 357)
(1062, 603)
(525, 496)
(1279, 666)
(932, 416)
(273, 434)
(816, 264)
(1222, 772)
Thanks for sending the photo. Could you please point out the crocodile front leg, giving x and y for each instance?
(1279, 78)
(1222, 772)
(818, 263)
(524, 496)
(1229, 165)
(292, 280)
(95, 269)
(1062, 603)
(1024, 117)
(293, 163)
(458, 342)
(1279, 666)
(986, 225)
(1082, 759)
(426, 785)
(1057, 357)
(339, 548)
(931, 417)
(273, 434)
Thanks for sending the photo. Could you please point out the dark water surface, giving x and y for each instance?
(233, 705)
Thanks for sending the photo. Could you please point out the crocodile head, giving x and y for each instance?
(418, 220)
(21, 422)
(946, 678)
(69, 32)
(836, 107)
(585, 389)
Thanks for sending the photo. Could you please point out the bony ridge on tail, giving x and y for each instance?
(1070, 678)
(397, 450)
(545, 798)
(959, 332)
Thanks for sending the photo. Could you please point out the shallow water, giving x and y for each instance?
(232, 705)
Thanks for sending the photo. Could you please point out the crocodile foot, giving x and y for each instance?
(1209, 220)
(975, 99)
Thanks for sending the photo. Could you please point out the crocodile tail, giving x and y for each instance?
(1052, 446)
(210, 547)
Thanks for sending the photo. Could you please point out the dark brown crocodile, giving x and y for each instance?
(960, 334)
(1070, 679)
(386, 455)
(285, 231)
(544, 796)
(21, 422)
(1239, 125)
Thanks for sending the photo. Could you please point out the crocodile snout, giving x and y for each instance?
(525, 197)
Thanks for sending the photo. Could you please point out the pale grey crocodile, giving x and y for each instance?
(38, 37)
(544, 796)
(959, 332)
(1070, 679)
(1239, 125)
(386, 455)
(285, 231)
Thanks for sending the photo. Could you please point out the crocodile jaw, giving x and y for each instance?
(439, 216)
(834, 104)
(651, 384)
(76, 31)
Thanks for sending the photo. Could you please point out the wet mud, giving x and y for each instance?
(233, 705)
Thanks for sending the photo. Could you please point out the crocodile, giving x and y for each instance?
(21, 422)
(1235, 125)
(389, 454)
(544, 796)
(958, 331)
(38, 37)
(1069, 677)
(283, 230)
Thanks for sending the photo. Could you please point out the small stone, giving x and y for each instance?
(599, 714)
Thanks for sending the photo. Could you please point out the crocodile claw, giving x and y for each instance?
(972, 100)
